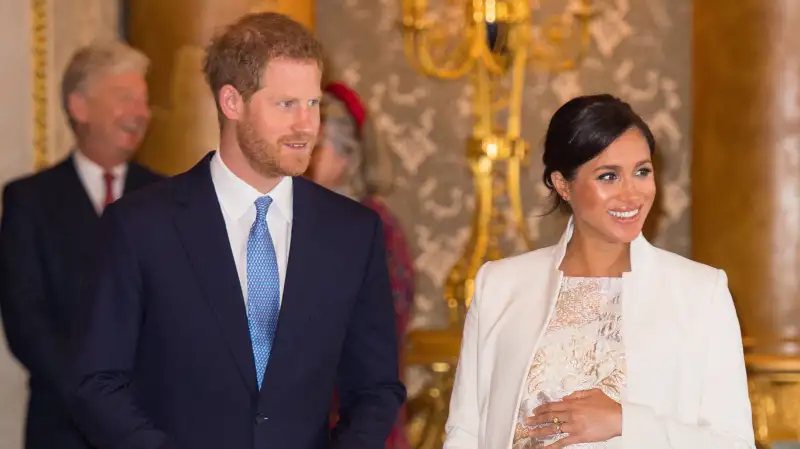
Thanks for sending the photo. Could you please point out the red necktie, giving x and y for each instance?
(109, 179)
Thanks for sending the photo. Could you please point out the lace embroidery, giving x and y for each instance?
(581, 349)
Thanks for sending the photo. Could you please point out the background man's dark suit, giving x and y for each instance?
(164, 357)
(47, 234)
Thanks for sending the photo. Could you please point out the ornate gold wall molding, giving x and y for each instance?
(40, 60)
(774, 391)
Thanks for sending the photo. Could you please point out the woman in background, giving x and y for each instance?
(350, 159)
(601, 341)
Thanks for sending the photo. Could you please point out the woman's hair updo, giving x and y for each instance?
(580, 130)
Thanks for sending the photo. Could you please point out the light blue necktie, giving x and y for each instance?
(263, 288)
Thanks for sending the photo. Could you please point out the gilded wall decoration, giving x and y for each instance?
(640, 52)
(40, 60)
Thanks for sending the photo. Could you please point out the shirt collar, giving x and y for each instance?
(236, 196)
(92, 170)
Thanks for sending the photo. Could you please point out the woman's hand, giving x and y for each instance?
(587, 416)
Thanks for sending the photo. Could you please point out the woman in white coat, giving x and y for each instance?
(602, 341)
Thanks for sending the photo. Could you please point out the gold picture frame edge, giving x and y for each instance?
(40, 60)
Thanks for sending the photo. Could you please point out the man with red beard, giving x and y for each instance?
(235, 297)
(51, 220)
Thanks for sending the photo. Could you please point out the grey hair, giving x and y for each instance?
(107, 57)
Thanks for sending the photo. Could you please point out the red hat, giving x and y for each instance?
(352, 101)
(377, 165)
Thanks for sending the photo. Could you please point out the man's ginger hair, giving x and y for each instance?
(239, 54)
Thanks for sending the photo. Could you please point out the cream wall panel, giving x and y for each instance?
(16, 158)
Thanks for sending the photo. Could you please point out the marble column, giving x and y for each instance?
(173, 34)
(746, 188)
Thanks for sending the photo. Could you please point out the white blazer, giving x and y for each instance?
(686, 381)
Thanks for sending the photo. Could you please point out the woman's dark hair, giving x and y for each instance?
(580, 130)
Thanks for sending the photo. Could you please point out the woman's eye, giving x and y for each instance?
(607, 176)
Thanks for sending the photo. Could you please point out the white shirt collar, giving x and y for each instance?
(236, 196)
(91, 170)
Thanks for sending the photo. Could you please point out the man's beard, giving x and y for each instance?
(265, 157)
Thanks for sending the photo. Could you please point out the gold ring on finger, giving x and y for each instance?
(558, 423)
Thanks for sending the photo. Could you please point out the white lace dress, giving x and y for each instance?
(580, 350)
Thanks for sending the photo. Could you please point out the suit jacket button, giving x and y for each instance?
(260, 418)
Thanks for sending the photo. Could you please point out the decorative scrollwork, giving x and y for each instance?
(40, 53)
(774, 384)
(494, 42)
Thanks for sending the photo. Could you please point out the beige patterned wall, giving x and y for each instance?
(640, 51)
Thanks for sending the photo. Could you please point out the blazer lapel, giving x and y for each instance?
(73, 211)
(72, 195)
(647, 319)
(522, 329)
(135, 179)
(201, 227)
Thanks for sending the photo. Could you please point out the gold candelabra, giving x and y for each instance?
(494, 43)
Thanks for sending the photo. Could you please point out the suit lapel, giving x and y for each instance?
(528, 323)
(299, 294)
(134, 179)
(521, 331)
(534, 297)
(72, 195)
(73, 211)
(201, 227)
(648, 332)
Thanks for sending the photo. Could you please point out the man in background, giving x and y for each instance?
(50, 224)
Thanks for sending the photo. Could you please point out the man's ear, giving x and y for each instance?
(231, 102)
(78, 107)
(561, 185)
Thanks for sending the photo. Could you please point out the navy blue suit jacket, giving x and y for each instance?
(163, 356)
(47, 235)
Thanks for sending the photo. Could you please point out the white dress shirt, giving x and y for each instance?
(91, 176)
(237, 199)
